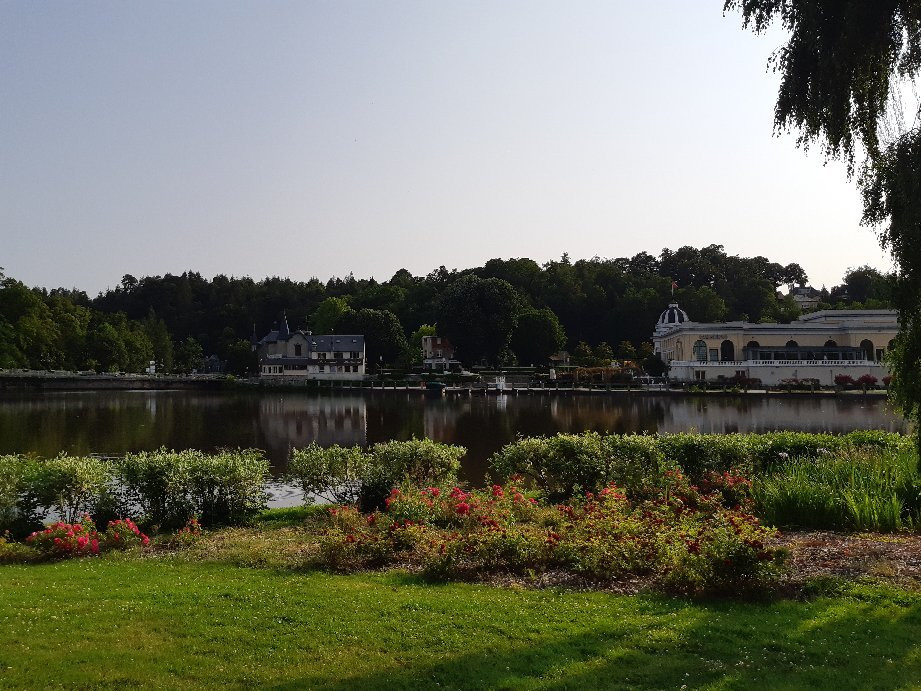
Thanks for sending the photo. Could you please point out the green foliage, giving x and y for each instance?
(173, 486)
(384, 337)
(350, 475)
(228, 487)
(568, 463)
(335, 474)
(71, 485)
(537, 335)
(188, 356)
(241, 360)
(17, 504)
(678, 538)
(852, 490)
(560, 466)
(326, 316)
(478, 316)
(161, 345)
(841, 71)
(416, 461)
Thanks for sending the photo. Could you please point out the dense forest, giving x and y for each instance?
(508, 311)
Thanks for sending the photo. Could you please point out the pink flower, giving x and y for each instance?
(497, 491)
(145, 540)
(94, 545)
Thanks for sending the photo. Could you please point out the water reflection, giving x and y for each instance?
(116, 422)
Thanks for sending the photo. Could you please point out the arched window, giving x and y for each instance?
(792, 344)
(753, 344)
(866, 345)
(830, 344)
(700, 351)
(727, 351)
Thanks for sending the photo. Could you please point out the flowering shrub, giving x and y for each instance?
(734, 488)
(186, 536)
(845, 380)
(867, 381)
(64, 539)
(683, 537)
(122, 533)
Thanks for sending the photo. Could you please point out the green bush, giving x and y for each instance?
(157, 482)
(419, 462)
(560, 466)
(71, 486)
(700, 454)
(170, 487)
(228, 487)
(335, 474)
(350, 475)
(18, 509)
(569, 464)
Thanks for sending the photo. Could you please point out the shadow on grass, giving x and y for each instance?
(866, 639)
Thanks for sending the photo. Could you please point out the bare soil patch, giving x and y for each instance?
(893, 558)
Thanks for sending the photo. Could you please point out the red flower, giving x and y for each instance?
(497, 491)
(463, 508)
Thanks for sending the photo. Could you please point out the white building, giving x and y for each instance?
(286, 353)
(817, 346)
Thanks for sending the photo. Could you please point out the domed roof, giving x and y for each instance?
(673, 315)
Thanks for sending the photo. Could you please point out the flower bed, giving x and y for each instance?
(62, 539)
(681, 538)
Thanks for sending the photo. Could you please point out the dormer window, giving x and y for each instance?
(297, 350)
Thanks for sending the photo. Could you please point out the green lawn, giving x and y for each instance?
(120, 622)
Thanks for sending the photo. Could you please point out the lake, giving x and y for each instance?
(113, 422)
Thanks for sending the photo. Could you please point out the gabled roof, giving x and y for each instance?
(336, 343)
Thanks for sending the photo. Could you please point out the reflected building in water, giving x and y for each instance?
(292, 422)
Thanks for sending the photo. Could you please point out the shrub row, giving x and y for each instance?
(166, 488)
(679, 539)
(569, 463)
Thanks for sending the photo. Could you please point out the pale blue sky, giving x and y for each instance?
(317, 138)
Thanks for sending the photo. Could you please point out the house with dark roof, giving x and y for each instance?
(286, 353)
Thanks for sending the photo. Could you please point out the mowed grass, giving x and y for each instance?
(119, 622)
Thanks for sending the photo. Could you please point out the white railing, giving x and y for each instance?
(770, 363)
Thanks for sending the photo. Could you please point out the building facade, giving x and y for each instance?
(438, 354)
(286, 353)
(817, 346)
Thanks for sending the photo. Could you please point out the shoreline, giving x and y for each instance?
(40, 381)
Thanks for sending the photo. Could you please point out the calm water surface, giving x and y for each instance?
(113, 422)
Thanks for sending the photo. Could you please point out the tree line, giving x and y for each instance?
(508, 311)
